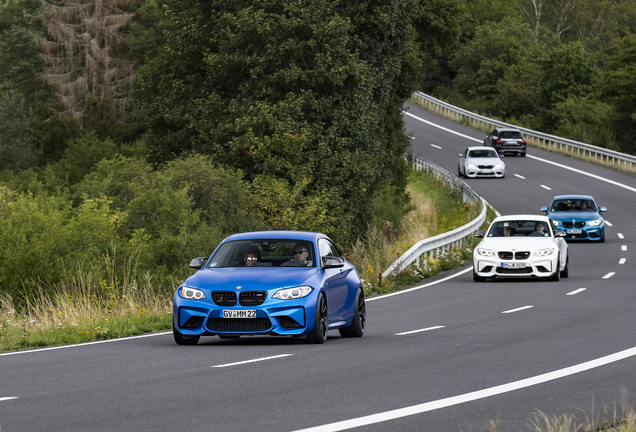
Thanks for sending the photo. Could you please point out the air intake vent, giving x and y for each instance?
(252, 298)
(193, 323)
(245, 325)
(224, 298)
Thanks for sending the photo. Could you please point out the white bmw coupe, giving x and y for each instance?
(521, 246)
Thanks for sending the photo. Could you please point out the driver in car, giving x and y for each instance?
(301, 253)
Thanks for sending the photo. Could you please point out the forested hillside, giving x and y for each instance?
(565, 67)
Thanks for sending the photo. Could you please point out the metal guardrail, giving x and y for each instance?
(600, 154)
(442, 243)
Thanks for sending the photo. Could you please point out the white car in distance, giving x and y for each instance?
(521, 246)
(481, 162)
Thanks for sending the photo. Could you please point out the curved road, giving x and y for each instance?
(453, 355)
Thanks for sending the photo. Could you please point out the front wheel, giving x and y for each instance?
(556, 276)
(181, 339)
(319, 334)
(356, 329)
(478, 278)
(566, 271)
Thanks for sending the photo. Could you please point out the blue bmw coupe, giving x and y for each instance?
(578, 216)
(285, 283)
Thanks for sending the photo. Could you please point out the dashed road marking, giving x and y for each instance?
(252, 361)
(576, 291)
(436, 146)
(518, 309)
(545, 187)
(520, 176)
(622, 261)
(609, 275)
(420, 330)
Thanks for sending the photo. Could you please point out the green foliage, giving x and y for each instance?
(17, 142)
(81, 155)
(308, 93)
(618, 84)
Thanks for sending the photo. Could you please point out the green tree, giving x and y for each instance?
(568, 71)
(18, 149)
(619, 89)
(300, 91)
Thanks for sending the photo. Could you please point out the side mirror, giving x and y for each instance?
(480, 234)
(559, 233)
(198, 263)
(602, 209)
(332, 262)
(544, 209)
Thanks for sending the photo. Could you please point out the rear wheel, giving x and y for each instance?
(181, 339)
(566, 271)
(356, 329)
(319, 334)
(459, 171)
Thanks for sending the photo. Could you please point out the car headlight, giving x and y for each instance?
(545, 252)
(499, 166)
(594, 222)
(191, 293)
(292, 293)
(471, 166)
(485, 252)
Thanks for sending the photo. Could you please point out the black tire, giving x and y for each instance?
(184, 339)
(319, 334)
(602, 240)
(556, 276)
(478, 278)
(523, 154)
(356, 329)
(566, 271)
(459, 171)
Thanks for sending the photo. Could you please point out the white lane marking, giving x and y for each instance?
(608, 223)
(84, 344)
(420, 330)
(609, 275)
(420, 286)
(615, 183)
(576, 291)
(520, 176)
(624, 247)
(545, 187)
(620, 235)
(622, 261)
(6, 398)
(252, 361)
(528, 155)
(412, 137)
(436, 146)
(472, 396)
(518, 309)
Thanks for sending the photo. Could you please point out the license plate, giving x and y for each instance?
(239, 313)
(575, 231)
(513, 265)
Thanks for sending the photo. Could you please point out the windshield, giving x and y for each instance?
(264, 253)
(510, 135)
(482, 154)
(572, 205)
(519, 228)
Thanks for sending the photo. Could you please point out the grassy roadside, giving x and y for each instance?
(85, 308)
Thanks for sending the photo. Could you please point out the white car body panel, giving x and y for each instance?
(521, 249)
(472, 167)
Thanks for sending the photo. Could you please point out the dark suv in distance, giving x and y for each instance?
(506, 140)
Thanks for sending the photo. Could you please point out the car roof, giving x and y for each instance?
(507, 129)
(480, 148)
(295, 235)
(572, 197)
(529, 217)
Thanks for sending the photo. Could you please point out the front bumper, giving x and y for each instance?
(485, 172)
(204, 318)
(591, 233)
(486, 267)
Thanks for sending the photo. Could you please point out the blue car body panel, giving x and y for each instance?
(578, 224)
(294, 317)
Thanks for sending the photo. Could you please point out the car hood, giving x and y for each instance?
(261, 278)
(570, 215)
(517, 243)
(484, 161)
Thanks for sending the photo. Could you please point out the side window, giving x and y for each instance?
(494, 133)
(327, 248)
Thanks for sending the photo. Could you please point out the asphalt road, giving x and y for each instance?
(449, 356)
